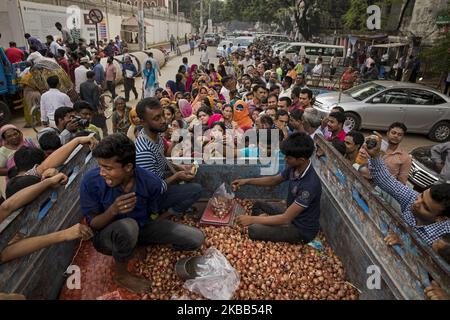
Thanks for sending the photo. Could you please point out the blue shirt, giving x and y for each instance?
(99, 73)
(33, 41)
(96, 196)
(305, 191)
(130, 67)
(406, 198)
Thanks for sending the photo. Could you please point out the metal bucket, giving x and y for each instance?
(186, 268)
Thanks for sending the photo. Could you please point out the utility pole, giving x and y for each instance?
(178, 21)
(141, 23)
(201, 18)
(209, 17)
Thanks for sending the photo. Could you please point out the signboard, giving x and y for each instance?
(443, 20)
(96, 15)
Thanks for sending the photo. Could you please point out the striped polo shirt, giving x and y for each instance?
(150, 155)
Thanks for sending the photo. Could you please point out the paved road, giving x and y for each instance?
(168, 73)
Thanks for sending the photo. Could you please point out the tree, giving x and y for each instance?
(304, 17)
(355, 18)
(191, 8)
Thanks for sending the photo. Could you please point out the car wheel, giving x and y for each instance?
(440, 132)
(352, 121)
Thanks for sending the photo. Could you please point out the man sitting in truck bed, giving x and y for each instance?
(300, 221)
(418, 210)
(117, 199)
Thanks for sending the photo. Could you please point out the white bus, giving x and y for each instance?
(313, 50)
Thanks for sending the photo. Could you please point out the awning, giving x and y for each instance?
(390, 45)
(133, 22)
(365, 37)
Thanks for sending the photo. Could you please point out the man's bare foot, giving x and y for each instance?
(133, 283)
(128, 281)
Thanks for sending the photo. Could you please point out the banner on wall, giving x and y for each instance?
(39, 20)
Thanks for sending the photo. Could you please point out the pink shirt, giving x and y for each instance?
(341, 136)
(111, 72)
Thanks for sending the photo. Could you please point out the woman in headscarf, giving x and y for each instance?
(150, 79)
(227, 114)
(222, 71)
(165, 102)
(190, 77)
(187, 115)
(135, 126)
(11, 139)
(180, 87)
(171, 88)
(203, 115)
(241, 115)
(169, 114)
(214, 76)
(183, 72)
(214, 118)
(185, 108)
(216, 147)
(121, 116)
(202, 94)
(178, 96)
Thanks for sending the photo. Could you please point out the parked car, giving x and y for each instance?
(423, 172)
(280, 46)
(377, 104)
(243, 42)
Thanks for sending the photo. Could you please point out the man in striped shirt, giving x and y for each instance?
(178, 198)
(420, 211)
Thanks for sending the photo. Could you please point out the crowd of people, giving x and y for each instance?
(206, 112)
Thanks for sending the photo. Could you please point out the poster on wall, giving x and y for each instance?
(39, 20)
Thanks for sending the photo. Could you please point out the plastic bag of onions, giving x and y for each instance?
(217, 279)
(222, 201)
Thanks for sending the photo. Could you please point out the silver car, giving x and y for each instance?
(376, 105)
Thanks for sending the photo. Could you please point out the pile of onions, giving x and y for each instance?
(268, 270)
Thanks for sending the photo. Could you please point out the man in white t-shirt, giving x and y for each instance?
(81, 73)
(52, 100)
(53, 46)
(228, 84)
(204, 57)
(317, 70)
(247, 61)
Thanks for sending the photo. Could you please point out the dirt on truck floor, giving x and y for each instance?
(267, 270)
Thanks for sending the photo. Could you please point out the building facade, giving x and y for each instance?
(37, 17)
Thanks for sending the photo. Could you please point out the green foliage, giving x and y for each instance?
(320, 14)
(355, 18)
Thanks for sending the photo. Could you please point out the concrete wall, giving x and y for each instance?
(163, 24)
(423, 20)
